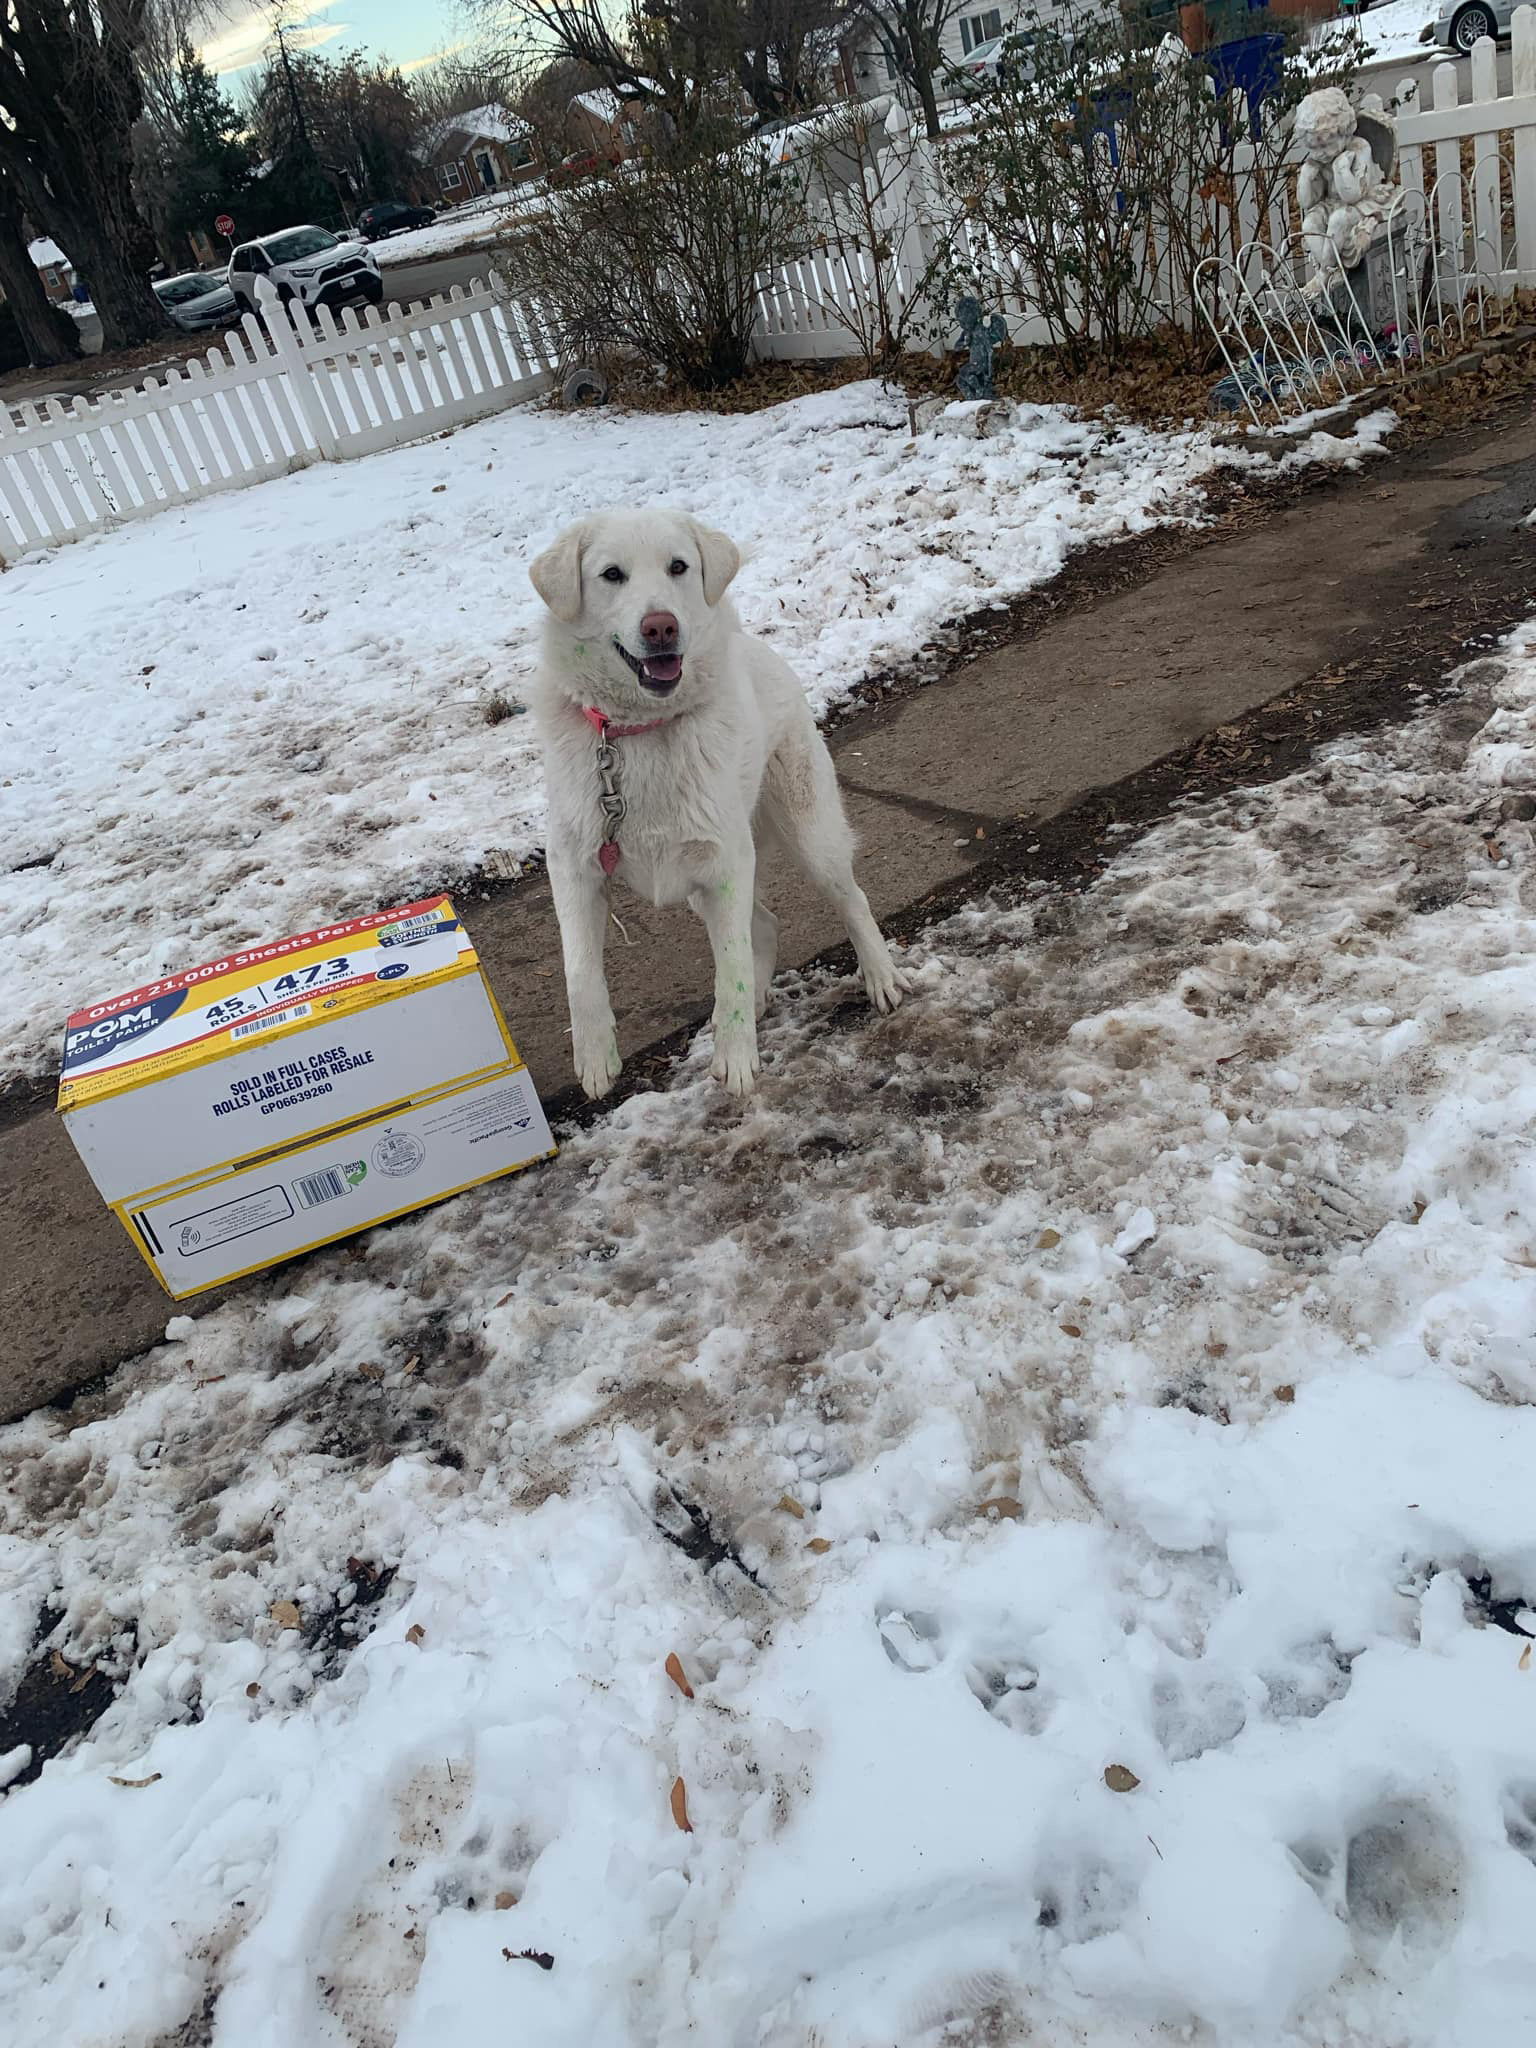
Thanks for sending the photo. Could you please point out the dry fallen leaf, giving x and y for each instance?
(438, 487)
(820, 1545)
(1048, 1240)
(508, 1296)
(1119, 1779)
(412, 1362)
(136, 1784)
(679, 1677)
(371, 1372)
(505, 1901)
(285, 1613)
(415, 1633)
(791, 1506)
(1002, 1504)
(1525, 1658)
(76, 1678)
(1286, 1393)
(1070, 1330)
(680, 1806)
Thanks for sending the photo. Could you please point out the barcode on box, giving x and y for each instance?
(278, 1017)
(314, 1188)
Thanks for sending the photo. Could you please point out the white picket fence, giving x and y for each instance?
(816, 307)
(274, 397)
(298, 389)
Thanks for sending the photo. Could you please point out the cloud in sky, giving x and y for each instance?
(435, 56)
(243, 42)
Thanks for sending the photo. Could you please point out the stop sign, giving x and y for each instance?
(224, 226)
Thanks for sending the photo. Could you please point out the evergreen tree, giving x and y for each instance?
(210, 166)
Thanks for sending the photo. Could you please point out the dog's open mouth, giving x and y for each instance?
(660, 673)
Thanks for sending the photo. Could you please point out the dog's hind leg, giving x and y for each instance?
(801, 805)
(765, 950)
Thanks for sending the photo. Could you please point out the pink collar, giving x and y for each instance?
(606, 730)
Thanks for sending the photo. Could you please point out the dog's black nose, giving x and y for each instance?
(659, 631)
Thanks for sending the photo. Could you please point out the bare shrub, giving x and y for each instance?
(883, 234)
(658, 257)
(1103, 167)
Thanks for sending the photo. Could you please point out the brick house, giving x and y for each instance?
(54, 268)
(469, 154)
(606, 125)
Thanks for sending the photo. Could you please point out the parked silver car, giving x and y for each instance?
(197, 300)
(1465, 22)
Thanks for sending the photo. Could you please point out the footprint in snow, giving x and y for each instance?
(1520, 1819)
(1400, 1874)
(1008, 1688)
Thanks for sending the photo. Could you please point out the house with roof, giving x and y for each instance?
(466, 155)
(608, 124)
(866, 70)
(54, 268)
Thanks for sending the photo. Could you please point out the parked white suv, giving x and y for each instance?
(308, 264)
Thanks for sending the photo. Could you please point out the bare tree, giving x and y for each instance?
(786, 52)
(910, 36)
(69, 97)
(665, 52)
(688, 59)
(543, 98)
(459, 83)
(47, 335)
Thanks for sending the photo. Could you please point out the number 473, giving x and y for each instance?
(307, 977)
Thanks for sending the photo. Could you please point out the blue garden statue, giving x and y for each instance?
(980, 335)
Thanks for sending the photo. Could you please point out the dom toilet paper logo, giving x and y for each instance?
(398, 1153)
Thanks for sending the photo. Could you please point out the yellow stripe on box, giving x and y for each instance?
(336, 1236)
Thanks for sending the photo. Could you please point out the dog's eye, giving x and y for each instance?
(677, 567)
(613, 574)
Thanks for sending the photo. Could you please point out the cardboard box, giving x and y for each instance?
(292, 1094)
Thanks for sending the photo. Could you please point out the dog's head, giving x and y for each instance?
(637, 592)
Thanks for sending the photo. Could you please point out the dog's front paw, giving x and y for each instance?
(736, 1063)
(598, 1064)
(885, 983)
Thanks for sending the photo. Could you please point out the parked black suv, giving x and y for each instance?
(391, 216)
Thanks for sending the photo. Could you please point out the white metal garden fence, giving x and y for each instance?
(277, 395)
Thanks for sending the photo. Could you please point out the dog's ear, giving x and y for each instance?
(719, 559)
(556, 574)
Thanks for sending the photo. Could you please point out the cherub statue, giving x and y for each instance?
(980, 335)
(1343, 187)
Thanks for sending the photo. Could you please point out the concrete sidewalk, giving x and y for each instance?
(1403, 563)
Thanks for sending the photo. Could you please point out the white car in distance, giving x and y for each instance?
(309, 264)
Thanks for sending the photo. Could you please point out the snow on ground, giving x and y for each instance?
(471, 226)
(268, 709)
(1390, 34)
(1075, 1434)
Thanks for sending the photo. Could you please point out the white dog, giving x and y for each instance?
(673, 743)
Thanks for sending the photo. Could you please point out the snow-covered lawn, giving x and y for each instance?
(474, 225)
(1075, 1436)
(268, 709)
(1391, 34)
